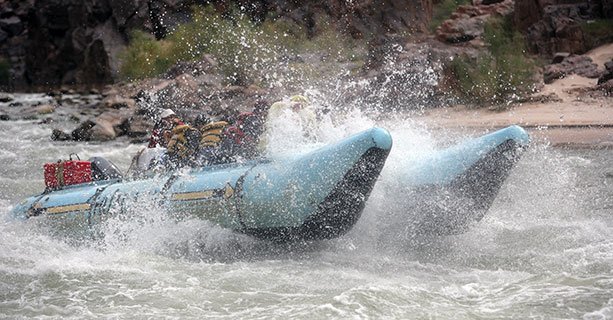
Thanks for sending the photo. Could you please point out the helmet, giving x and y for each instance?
(166, 113)
(299, 98)
(201, 120)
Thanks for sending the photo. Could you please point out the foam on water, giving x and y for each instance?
(544, 249)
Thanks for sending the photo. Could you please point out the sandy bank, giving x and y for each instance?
(574, 123)
(561, 124)
(572, 120)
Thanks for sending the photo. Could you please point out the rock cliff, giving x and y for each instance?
(558, 25)
(56, 42)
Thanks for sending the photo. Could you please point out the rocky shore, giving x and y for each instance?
(572, 103)
(572, 111)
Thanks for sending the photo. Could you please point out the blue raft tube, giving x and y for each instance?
(447, 191)
(317, 195)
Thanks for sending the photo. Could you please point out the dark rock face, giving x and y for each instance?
(72, 42)
(55, 42)
(380, 17)
(467, 22)
(358, 18)
(607, 9)
(555, 25)
(527, 13)
(607, 75)
(573, 64)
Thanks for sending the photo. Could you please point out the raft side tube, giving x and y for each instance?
(314, 196)
(210, 195)
(462, 182)
(444, 166)
(340, 178)
(70, 199)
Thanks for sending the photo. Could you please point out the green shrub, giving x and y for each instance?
(323, 58)
(504, 73)
(145, 57)
(474, 79)
(239, 47)
(597, 32)
(245, 51)
(443, 10)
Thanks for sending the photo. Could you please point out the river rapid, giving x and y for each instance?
(543, 251)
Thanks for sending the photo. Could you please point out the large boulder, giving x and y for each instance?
(557, 25)
(108, 125)
(409, 78)
(56, 42)
(468, 21)
(573, 64)
(136, 126)
(116, 101)
(607, 75)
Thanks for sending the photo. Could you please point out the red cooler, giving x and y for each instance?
(68, 172)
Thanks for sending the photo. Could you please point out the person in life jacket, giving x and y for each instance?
(155, 154)
(208, 150)
(162, 130)
(242, 137)
(182, 146)
(299, 106)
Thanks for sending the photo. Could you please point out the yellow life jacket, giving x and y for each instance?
(211, 134)
(179, 145)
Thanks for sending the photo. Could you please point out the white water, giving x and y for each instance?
(544, 251)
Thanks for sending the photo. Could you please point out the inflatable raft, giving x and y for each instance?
(318, 195)
(447, 191)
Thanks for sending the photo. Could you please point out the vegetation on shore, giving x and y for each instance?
(246, 51)
(503, 73)
(597, 32)
(277, 50)
(442, 10)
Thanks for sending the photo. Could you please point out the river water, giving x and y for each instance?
(543, 251)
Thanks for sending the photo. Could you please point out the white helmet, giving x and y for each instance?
(166, 112)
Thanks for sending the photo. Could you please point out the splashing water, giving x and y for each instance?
(544, 250)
